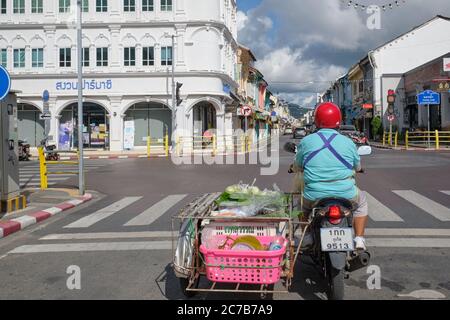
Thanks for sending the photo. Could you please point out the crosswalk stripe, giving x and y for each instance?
(110, 235)
(379, 212)
(97, 246)
(409, 242)
(49, 179)
(416, 232)
(103, 213)
(157, 210)
(447, 192)
(435, 209)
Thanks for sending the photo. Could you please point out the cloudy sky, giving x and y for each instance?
(303, 45)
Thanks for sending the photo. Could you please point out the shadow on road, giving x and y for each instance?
(307, 284)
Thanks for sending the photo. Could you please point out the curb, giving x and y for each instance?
(17, 224)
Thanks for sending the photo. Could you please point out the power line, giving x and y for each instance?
(391, 5)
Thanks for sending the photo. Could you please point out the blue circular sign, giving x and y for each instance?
(5, 82)
(45, 96)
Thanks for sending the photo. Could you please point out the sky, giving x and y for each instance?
(304, 45)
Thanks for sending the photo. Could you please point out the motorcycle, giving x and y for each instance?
(49, 155)
(332, 249)
(24, 151)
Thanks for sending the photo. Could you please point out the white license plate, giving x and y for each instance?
(337, 239)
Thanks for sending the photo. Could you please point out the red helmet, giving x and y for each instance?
(328, 116)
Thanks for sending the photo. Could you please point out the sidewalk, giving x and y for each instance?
(402, 147)
(106, 154)
(41, 205)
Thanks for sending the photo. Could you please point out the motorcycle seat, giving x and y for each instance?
(325, 202)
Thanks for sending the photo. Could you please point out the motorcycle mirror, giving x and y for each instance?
(365, 150)
(290, 147)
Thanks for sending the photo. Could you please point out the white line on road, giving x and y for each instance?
(167, 245)
(157, 210)
(97, 246)
(110, 235)
(447, 192)
(39, 179)
(103, 213)
(435, 209)
(379, 212)
(421, 232)
(408, 242)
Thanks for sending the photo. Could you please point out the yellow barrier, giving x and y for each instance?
(390, 137)
(162, 142)
(235, 143)
(427, 138)
(43, 170)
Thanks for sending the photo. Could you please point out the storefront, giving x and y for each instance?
(146, 119)
(95, 127)
(30, 126)
(204, 117)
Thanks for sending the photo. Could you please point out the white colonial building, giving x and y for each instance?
(127, 59)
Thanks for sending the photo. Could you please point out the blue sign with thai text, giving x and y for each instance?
(87, 85)
(45, 96)
(429, 97)
(5, 82)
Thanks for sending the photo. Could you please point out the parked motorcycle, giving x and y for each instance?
(49, 155)
(332, 249)
(24, 151)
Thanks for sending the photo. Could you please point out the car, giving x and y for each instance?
(288, 130)
(344, 129)
(350, 131)
(299, 133)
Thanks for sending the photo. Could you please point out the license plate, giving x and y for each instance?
(337, 239)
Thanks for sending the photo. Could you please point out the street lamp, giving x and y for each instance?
(80, 100)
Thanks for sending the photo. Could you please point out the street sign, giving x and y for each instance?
(5, 82)
(429, 97)
(391, 118)
(446, 64)
(45, 96)
(45, 116)
(246, 111)
(443, 87)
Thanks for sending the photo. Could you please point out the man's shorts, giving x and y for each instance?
(359, 202)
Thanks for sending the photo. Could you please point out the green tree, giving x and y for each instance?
(376, 126)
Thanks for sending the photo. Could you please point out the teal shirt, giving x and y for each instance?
(324, 167)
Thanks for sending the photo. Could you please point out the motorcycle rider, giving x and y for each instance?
(329, 161)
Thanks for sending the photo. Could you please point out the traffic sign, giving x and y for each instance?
(5, 82)
(246, 111)
(429, 97)
(45, 116)
(391, 118)
(45, 96)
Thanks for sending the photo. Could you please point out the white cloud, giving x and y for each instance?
(242, 19)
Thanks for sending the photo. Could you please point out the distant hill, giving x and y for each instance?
(297, 111)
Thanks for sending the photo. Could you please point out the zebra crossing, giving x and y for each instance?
(378, 211)
(29, 173)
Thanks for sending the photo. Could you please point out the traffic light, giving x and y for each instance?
(391, 101)
(179, 85)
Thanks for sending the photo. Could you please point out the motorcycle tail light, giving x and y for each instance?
(334, 215)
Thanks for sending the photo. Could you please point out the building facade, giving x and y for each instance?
(127, 61)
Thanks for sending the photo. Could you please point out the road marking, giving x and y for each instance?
(379, 212)
(157, 210)
(97, 246)
(447, 192)
(408, 242)
(435, 209)
(407, 232)
(167, 245)
(25, 221)
(103, 213)
(38, 179)
(110, 235)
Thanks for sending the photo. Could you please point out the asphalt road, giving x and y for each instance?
(121, 240)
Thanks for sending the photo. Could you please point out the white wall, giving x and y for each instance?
(409, 51)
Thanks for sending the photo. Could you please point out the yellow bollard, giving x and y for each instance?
(42, 168)
(437, 139)
(148, 146)
(384, 138)
(178, 146)
(406, 139)
(214, 141)
(243, 141)
(166, 146)
(396, 139)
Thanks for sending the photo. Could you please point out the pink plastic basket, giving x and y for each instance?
(251, 267)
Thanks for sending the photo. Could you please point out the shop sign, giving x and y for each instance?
(128, 135)
(87, 85)
(446, 64)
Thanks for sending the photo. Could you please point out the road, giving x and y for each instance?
(121, 240)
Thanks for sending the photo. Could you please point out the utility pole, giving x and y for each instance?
(80, 100)
(174, 102)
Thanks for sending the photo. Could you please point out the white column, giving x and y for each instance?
(115, 41)
(50, 56)
(179, 46)
(116, 124)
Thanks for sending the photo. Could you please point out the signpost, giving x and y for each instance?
(246, 112)
(5, 83)
(429, 97)
(46, 113)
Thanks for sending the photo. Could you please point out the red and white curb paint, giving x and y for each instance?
(17, 224)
